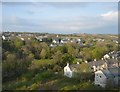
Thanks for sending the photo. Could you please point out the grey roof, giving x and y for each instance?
(112, 61)
(111, 72)
(116, 54)
(96, 63)
(114, 71)
(107, 73)
(101, 62)
(74, 66)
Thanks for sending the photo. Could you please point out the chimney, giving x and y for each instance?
(101, 58)
(94, 59)
(94, 65)
(86, 61)
(106, 65)
(78, 63)
(94, 68)
(68, 64)
(113, 57)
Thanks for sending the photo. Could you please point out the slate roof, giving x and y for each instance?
(114, 71)
(96, 63)
(74, 66)
(111, 61)
(101, 62)
(107, 73)
(111, 72)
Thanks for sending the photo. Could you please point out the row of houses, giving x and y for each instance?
(105, 70)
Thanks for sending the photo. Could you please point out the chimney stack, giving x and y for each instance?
(78, 63)
(68, 64)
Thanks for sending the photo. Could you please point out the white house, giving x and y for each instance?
(102, 77)
(55, 41)
(22, 39)
(106, 56)
(70, 70)
(53, 45)
(67, 71)
(3, 37)
(65, 40)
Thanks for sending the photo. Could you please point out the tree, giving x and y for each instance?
(98, 52)
(57, 57)
(18, 43)
(57, 68)
(66, 58)
(43, 54)
(86, 54)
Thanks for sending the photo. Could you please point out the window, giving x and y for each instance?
(65, 69)
(100, 76)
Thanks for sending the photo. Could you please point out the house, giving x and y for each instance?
(55, 41)
(106, 56)
(97, 65)
(100, 77)
(53, 45)
(112, 63)
(64, 41)
(3, 37)
(103, 64)
(103, 77)
(39, 38)
(6, 37)
(74, 41)
(114, 54)
(69, 70)
(22, 39)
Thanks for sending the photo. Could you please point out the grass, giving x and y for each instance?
(37, 64)
(46, 80)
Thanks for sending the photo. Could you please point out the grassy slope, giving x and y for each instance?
(46, 79)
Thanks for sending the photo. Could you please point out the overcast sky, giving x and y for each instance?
(66, 18)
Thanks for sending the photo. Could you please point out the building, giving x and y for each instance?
(70, 70)
(97, 65)
(3, 37)
(103, 77)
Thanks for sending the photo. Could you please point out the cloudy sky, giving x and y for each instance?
(66, 18)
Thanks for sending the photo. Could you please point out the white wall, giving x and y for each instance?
(100, 78)
(67, 72)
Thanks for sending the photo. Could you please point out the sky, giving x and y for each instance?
(60, 17)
